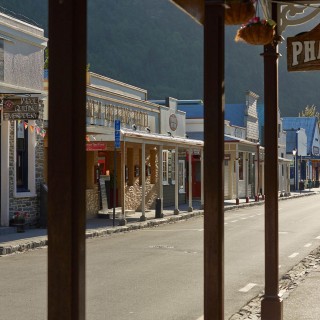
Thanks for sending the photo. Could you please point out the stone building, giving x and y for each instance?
(21, 88)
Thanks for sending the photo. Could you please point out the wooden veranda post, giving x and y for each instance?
(271, 305)
(213, 160)
(67, 159)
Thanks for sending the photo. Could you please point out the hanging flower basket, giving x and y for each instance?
(256, 32)
(239, 12)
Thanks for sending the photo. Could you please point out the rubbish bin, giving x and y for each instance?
(301, 185)
(159, 214)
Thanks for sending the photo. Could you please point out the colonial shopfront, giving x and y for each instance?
(150, 159)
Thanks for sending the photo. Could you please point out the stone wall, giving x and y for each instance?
(31, 205)
(92, 202)
(133, 191)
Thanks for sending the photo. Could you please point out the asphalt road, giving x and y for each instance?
(158, 273)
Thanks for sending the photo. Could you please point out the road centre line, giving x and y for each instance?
(248, 287)
(293, 255)
(308, 245)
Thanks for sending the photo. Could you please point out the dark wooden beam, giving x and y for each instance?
(271, 305)
(214, 160)
(66, 159)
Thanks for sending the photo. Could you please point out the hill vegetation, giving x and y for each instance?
(152, 45)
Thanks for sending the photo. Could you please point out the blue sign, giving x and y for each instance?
(117, 125)
(117, 133)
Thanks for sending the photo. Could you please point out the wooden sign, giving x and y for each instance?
(303, 51)
(25, 108)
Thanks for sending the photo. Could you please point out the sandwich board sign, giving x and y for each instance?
(303, 51)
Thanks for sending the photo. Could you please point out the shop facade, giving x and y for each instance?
(22, 129)
(150, 160)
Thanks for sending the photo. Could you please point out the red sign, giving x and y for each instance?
(96, 146)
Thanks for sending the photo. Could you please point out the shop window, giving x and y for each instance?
(129, 171)
(153, 154)
(24, 158)
(165, 165)
(240, 165)
(182, 176)
(173, 166)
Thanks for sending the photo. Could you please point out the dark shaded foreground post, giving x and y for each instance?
(67, 159)
(213, 160)
(271, 305)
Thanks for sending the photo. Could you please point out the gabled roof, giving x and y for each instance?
(295, 123)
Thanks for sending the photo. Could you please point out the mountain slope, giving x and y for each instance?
(153, 45)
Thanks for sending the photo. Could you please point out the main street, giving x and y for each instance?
(158, 273)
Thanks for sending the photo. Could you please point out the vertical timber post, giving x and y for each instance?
(213, 160)
(271, 304)
(67, 159)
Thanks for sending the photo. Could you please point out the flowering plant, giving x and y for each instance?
(257, 20)
(20, 217)
(257, 31)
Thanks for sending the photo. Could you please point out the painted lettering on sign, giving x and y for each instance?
(25, 108)
(108, 113)
(303, 51)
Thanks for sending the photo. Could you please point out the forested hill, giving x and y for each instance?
(152, 45)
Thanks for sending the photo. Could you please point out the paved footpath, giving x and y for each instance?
(300, 287)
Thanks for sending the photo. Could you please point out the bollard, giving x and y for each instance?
(159, 214)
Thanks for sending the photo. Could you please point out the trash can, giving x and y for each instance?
(301, 185)
(159, 214)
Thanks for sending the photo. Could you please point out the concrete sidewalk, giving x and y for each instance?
(301, 296)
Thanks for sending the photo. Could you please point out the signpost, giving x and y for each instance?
(116, 146)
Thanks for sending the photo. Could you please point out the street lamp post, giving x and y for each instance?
(294, 153)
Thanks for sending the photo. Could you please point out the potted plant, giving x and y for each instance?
(19, 220)
(257, 31)
(239, 11)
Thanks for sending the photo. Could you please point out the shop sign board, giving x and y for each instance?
(303, 51)
(96, 146)
(24, 108)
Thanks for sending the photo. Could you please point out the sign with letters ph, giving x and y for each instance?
(303, 51)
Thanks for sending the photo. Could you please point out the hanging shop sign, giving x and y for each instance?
(303, 51)
(24, 108)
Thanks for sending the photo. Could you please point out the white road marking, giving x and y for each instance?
(234, 220)
(251, 217)
(293, 255)
(308, 245)
(279, 266)
(225, 223)
(244, 218)
(259, 214)
(317, 237)
(248, 287)
(201, 318)
(283, 232)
